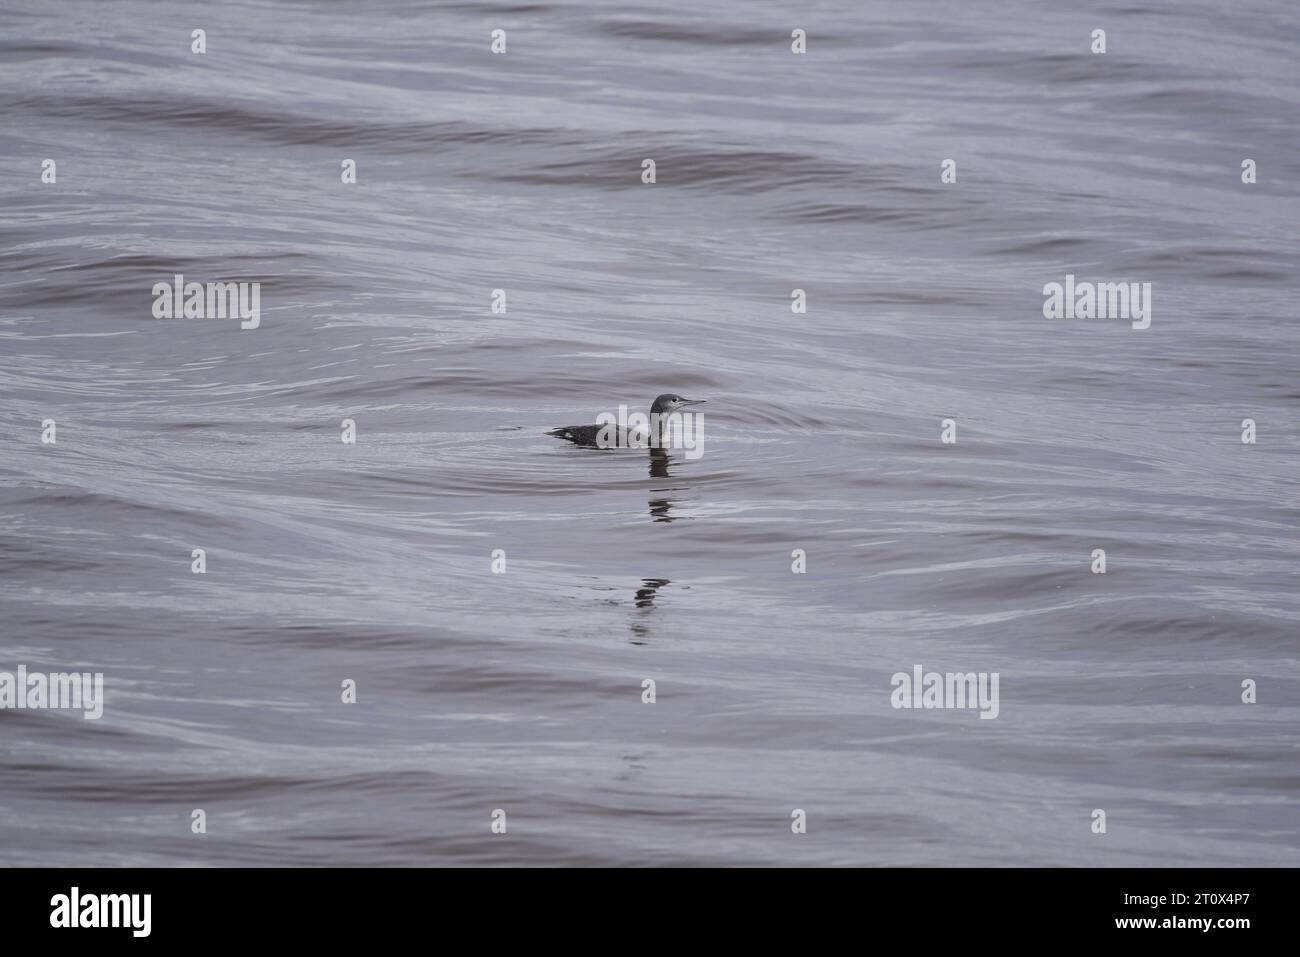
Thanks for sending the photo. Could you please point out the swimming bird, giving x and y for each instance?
(612, 435)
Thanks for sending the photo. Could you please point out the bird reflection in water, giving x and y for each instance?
(645, 599)
(662, 506)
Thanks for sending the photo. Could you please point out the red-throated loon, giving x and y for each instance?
(614, 436)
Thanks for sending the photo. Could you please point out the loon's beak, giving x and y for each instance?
(693, 401)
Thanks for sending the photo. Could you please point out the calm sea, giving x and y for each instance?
(522, 691)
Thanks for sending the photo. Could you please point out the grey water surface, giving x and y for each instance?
(522, 691)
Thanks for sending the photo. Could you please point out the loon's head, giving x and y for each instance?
(670, 402)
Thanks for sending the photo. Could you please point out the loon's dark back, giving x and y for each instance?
(578, 434)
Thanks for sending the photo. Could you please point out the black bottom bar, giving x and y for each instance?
(333, 907)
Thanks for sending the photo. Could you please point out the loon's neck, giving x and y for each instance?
(658, 428)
